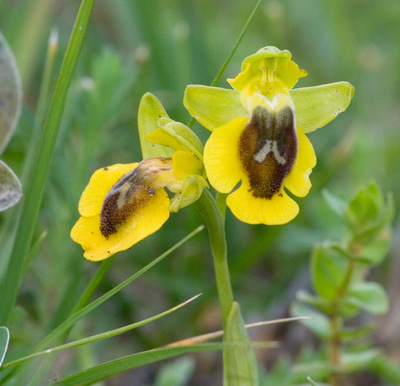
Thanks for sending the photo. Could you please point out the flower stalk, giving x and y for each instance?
(208, 208)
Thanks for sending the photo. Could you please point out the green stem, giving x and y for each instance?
(35, 186)
(336, 323)
(335, 347)
(216, 230)
(233, 50)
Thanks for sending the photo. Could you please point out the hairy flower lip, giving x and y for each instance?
(131, 192)
(135, 204)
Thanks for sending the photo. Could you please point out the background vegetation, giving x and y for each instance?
(134, 46)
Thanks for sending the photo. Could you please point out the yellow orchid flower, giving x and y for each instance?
(125, 203)
(258, 134)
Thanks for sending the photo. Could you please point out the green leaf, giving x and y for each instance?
(318, 322)
(10, 187)
(69, 322)
(213, 106)
(114, 367)
(10, 93)
(367, 212)
(338, 205)
(98, 337)
(240, 365)
(150, 111)
(40, 170)
(329, 268)
(4, 339)
(316, 301)
(368, 296)
(351, 335)
(359, 361)
(317, 106)
(374, 250)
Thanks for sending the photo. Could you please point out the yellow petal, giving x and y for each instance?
(280, 209)
(298, 181)
(142, 224)
(185, 163)
(221, 156)
(100, 183)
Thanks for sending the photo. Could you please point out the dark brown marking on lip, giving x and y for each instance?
(129, 194)
(267, 149)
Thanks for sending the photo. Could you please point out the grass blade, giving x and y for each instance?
(97, 337)
(35, 187)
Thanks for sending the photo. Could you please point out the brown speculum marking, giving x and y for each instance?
(130, 193)
(267, 149)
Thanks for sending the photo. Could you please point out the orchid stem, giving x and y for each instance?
(211, 213)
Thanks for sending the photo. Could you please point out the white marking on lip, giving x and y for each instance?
(269, 146)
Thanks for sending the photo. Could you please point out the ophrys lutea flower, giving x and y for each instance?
(125, 203)
(258, 135)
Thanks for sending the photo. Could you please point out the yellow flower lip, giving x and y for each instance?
(123, 204)
(132, 192)
(267, 149)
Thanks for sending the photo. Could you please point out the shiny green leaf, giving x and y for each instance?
(368, 213)
(318, 322)
(213, 106)
(328, 269)
(374, 250)
(316, 106)
(368, 296)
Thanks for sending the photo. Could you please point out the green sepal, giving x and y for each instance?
(10, 187)
(192, 189)
(368, 296)
(4, 339)
(177, 136)
(276, 56)
(213, 107)
(316, 106)
(329, 268)
(150, 111)
(240, 365)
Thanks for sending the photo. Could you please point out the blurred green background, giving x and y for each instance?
(135, 46)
